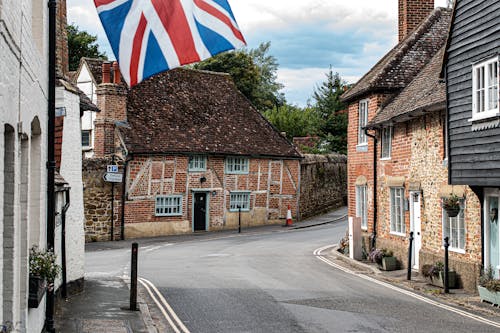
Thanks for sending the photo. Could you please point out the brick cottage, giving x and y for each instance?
(195, 152)
(397, 161)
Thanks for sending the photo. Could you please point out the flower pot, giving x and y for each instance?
(453, 211)
(37, 288)
(492, 297)
(389, 263)
(438, 281)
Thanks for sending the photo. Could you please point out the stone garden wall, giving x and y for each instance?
(323, 183)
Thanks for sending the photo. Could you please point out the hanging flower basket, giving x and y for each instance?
(451, 205)
(37, 287)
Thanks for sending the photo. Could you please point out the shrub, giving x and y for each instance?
(376, 255)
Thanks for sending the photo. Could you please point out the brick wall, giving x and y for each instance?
(323, 183)
(417, 155)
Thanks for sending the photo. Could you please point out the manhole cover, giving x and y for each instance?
(104, 326)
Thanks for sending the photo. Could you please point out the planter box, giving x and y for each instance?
(37, 288)
(439, 281)
(492, 297)
(389, 263)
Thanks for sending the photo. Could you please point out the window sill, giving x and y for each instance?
(397, 234)
(364, 228)
(385, 158)
(363, 148)
(452, 249)
(488, 115)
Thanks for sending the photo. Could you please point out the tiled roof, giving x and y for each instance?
(95, 68)
(85, 103)
(398, 67)
(425, 93)
(190, 111)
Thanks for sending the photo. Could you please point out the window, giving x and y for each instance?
(454, 229)
(397, 211)
(197, 163)
(239, 200)
(168, 205)
(86, 139)
(361, 205)
(386, 142)
(237, 165)
(485, 89)
(363, 120)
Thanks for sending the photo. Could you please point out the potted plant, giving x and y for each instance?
(384, 258)
(435, 273)
(43, 271)
(451, 205)
(489, 287)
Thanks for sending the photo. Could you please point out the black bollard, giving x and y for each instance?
(446, 245)
(408, 274)
(133, 278)
(239, 219)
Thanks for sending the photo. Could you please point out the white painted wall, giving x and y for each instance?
(86, 84)
(71, 170)
(23, 103)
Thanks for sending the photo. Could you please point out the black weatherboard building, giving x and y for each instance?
(471, 69)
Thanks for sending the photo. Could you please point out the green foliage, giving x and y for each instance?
(253, 72)
(43, 264)
(81, 44)
(293, 120)
(327, 103)
(488, 280)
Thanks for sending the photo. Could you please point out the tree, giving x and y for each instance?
(253, 72)
(81, 44)
(328, 106)
(293, 120)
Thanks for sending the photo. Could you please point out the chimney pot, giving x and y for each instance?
(106, 68)
(117, 78)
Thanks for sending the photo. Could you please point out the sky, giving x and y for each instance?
(307, 36)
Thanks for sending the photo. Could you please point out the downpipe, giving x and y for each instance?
(373, 240)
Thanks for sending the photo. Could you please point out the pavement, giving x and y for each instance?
(103, 306)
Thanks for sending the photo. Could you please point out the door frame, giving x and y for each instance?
(207, 207)
(415, 255)
(488, 192)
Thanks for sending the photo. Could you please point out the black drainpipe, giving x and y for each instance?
(124, 195)
(374, 234)
(63, 246)
(51, 163)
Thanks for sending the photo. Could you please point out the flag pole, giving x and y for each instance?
(51, 164)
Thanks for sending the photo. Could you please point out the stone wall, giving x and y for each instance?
(323, 183)
(97, 198)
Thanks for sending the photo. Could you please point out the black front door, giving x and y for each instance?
(200, 210)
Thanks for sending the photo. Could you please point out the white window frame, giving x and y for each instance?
(452, 224)
(489, 89)
(362, 122)
(90, 139)
(396, 201)
(386, 140)
(362, 205)
(197, 163)
(241, 198)
(163, 203)
(237, 165)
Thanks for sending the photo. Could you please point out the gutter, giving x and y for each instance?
(374, 233)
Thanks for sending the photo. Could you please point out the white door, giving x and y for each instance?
(415, 226)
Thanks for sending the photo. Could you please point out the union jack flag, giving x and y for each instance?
(152, 36)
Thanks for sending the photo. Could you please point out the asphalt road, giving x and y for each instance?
(272, 282)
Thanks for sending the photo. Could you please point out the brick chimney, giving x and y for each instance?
(62, 57)
(112, 101)
(411, 13)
